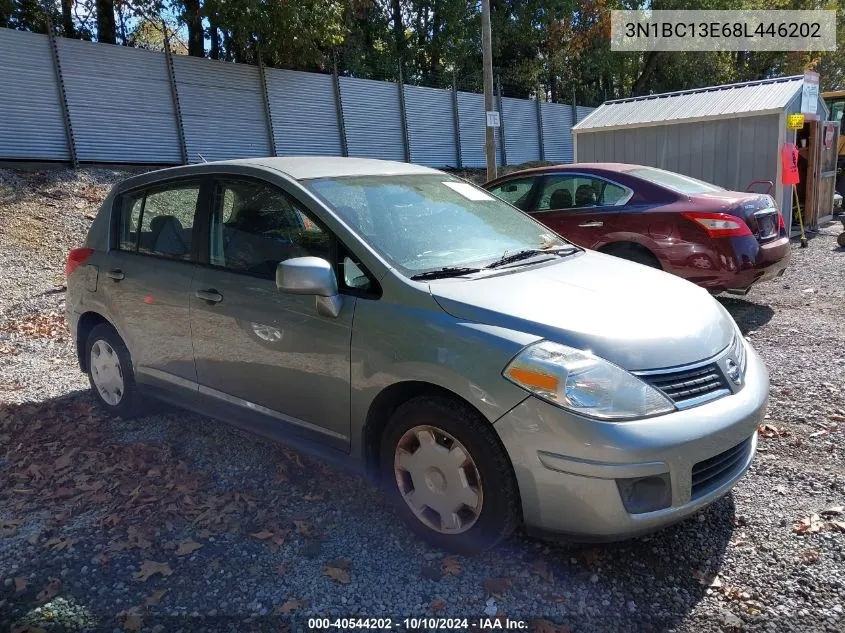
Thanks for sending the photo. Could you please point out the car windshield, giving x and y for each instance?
(673, 181)
(421, 223)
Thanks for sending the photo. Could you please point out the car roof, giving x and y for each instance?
(305, 167)
(548, 169)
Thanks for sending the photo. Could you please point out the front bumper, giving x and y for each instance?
(567, 466)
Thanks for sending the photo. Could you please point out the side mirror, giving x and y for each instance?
(311, 276)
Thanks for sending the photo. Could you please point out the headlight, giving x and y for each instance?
(739, 352)
(583, 383)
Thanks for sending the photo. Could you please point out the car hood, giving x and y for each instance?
(632, 315)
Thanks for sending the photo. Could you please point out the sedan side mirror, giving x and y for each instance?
(311, 276)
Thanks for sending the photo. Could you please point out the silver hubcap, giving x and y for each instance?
(438, 479)
(106, 372)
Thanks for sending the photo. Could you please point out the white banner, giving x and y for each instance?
(723, 31)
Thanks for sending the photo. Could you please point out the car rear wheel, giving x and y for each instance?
(448, 476)
(635, 254)
(110, 372)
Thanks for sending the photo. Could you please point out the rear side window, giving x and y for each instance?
(159, 221)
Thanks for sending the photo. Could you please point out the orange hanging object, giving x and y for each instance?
(789, 162)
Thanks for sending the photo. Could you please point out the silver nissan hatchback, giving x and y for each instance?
(486, 371)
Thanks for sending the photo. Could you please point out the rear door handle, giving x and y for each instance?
(116, 274)
(589, 225)
(211, 296)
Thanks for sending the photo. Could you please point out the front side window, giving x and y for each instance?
(517, 192)
(577, 191)
(254, 226)
(427, 222)
(159, 221)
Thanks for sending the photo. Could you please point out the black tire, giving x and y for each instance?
(634, 254)
(840, 239)
(500, 511)
(130, 403)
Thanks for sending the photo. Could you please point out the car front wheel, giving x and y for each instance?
(448, 476)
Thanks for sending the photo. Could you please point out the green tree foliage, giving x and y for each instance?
(553, 49)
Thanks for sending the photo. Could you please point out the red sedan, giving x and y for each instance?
(721, 240)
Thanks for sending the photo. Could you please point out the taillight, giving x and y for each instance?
(719, 224)
(76, 258)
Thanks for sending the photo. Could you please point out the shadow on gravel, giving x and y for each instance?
(747, 314)
(127, 524)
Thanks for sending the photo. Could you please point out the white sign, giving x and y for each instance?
(493, 119)
(810, 93)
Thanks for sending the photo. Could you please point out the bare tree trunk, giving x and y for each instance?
(214, 36)
(398, 30)
(106, 31)
(196, 34)
(648, 67)
(68, 29)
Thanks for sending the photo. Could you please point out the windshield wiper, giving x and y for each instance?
(531, 252)
(442, 273)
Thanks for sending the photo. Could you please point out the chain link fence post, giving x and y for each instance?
(174, 93)
(456, 120)
(338, 104)
(403, 113)
(60, 85)
(268, 113)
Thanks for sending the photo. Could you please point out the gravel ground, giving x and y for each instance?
(175, 521)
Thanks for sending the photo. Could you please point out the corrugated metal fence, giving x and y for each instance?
(70, 100)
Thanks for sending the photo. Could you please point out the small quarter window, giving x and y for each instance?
(517, 192)
(129, 220)
(167, 221)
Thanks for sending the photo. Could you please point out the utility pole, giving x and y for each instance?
(490, 117)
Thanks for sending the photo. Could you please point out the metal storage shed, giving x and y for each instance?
(729, 135)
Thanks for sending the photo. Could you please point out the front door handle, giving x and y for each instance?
(116, 274)
(590, 225)
(212, 296)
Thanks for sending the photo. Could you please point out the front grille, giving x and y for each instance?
(687, 384)
(710, 473)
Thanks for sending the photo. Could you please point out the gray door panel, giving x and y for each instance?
(148, 299)
(271, 352)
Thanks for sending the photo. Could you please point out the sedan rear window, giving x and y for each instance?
(673, 181)
(421, 223)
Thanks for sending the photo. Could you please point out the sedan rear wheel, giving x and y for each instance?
(448, 475)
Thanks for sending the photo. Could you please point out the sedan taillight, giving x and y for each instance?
(719, 224)
(76, 258)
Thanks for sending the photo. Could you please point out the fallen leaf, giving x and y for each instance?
(20, 584)
(770, 430)
(263, 535)
(187, 547)
(282, 569)
(50, 591)
(837, 525)
(290, 606)
(9, 527)
(338, 570)
(542, 569)
(547, 626)
(438, 605)
(709, 580)
(809, 525)
(450, 566)
(496, 587)
(133, 622)
(150, 568)
(314, 497)
(810, 556)
(58, 544)
(304, 528)
(832, 511)
(155, 597)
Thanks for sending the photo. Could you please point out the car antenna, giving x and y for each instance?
(202, 157)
